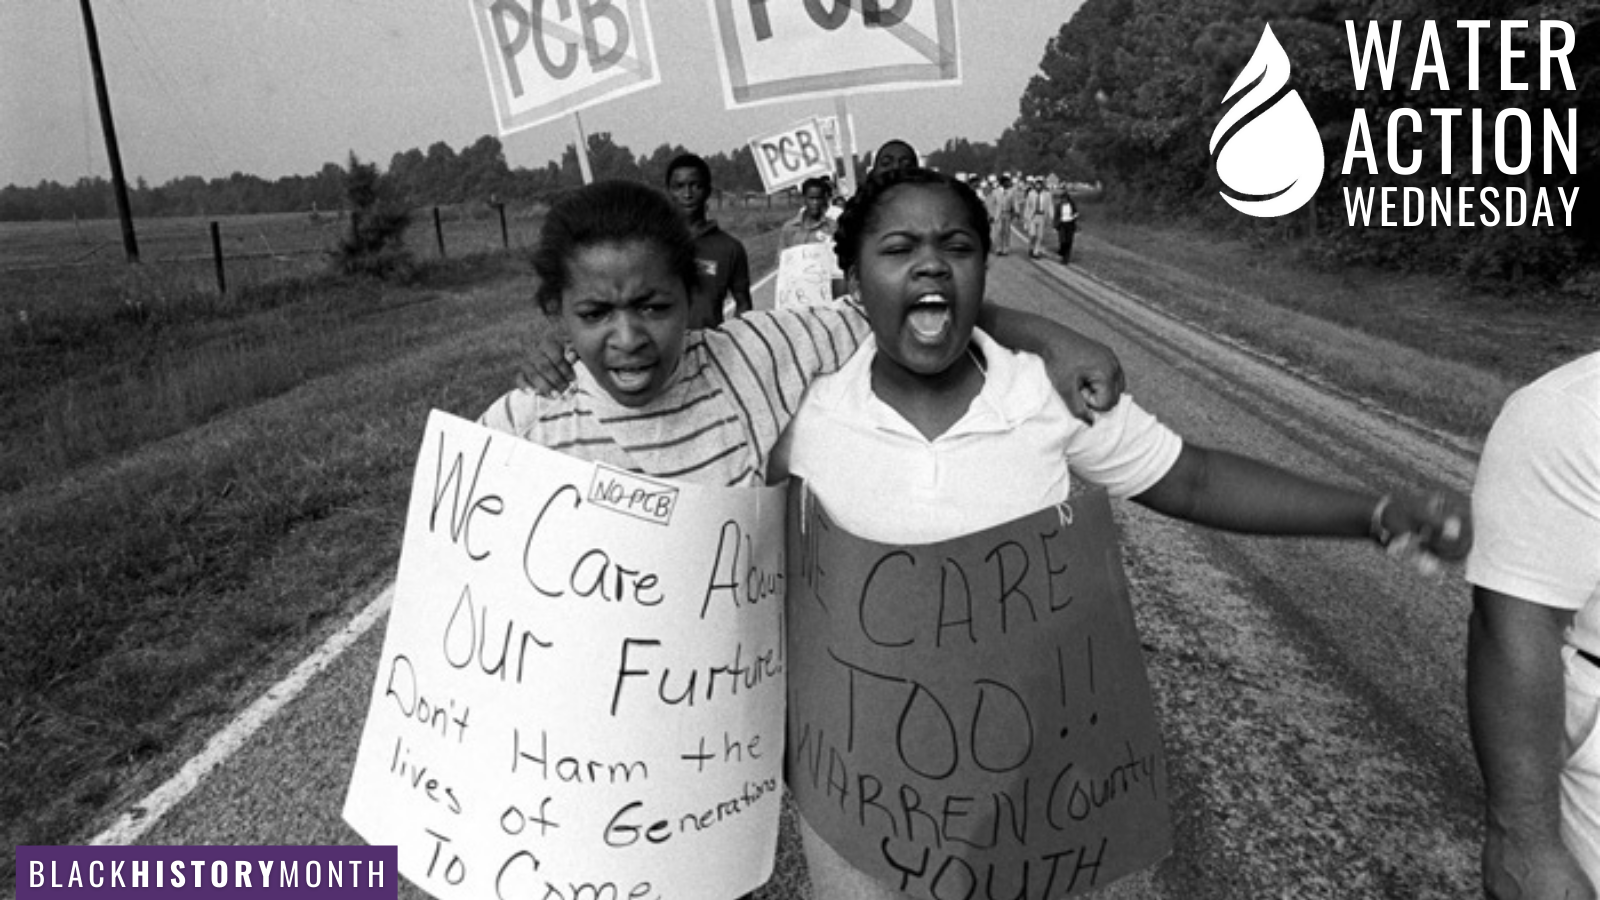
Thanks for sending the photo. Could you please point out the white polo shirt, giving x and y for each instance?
(1008, 456)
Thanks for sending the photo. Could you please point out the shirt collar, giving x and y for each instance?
(998, 407)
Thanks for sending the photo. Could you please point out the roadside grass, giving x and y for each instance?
(143, 591)
(191, 496)
(1431, 349)
(155, 357)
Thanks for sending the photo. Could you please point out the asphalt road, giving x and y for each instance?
(1310, 692)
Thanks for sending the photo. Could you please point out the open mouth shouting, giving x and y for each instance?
(632, 378)
(930, 319)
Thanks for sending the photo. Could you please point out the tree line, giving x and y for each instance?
(441, 175)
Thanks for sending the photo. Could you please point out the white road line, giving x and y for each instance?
(144, 814)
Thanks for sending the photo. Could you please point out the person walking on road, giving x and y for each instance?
(1066, 224)
(811, 224)
(1533, 651)
(1001, 205)
(893, 156)
(719, 257)
(1042, 210)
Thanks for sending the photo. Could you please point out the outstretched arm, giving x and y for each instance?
(1237, 493)
(1085, 372)
(1516, 704)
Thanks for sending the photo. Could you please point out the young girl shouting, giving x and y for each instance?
(965, 435)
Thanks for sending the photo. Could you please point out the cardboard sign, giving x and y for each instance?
(581, 688)
(974, 712)
(805, 275)
(814, 48)
(545, 60)
(788, 157)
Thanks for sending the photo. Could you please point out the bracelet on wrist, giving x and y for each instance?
(1375, 527)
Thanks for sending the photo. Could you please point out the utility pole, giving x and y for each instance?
(118, 183)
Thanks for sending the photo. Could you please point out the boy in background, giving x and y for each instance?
(723, 265)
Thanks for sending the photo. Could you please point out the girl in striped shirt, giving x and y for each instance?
(615, 264)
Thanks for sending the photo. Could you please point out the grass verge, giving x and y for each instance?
(143, 590)
(1428, 348)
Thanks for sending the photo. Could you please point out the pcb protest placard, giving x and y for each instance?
(816, 48)
(581, 687)
(790, 155)
(545, 60)
(975, 711)
(806, 273)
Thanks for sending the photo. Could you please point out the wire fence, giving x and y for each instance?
(291, 242)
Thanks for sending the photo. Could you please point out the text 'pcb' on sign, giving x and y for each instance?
(545, 60)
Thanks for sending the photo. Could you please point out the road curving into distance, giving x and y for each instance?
(1310, 692)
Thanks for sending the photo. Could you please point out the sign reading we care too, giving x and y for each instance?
(580, 693)
(973, 716)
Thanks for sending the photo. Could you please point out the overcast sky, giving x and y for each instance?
(280, 87)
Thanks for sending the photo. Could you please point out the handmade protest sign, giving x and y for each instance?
(780, 51)
(545, 60)
(790, 155)
(581, 687)
(973, 714)
(805, 275)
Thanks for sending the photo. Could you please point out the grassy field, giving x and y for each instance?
(467, 229)
(194, 490)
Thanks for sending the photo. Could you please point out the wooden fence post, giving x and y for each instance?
(216, 254)
(438, 231)
(505, 237)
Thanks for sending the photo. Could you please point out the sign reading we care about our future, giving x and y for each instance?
(815, 48)
(972, 717)
(545, 60)
(581, 687)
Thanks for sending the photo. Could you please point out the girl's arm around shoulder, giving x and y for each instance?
(797, 341)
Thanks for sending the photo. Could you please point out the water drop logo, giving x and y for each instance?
(1266, 148)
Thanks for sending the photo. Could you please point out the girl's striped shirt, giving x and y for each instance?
(735, 390)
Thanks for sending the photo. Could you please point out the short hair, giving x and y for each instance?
(817, 181)
(689, 161)
(895, 142)
(608, 212)
(858, 213)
